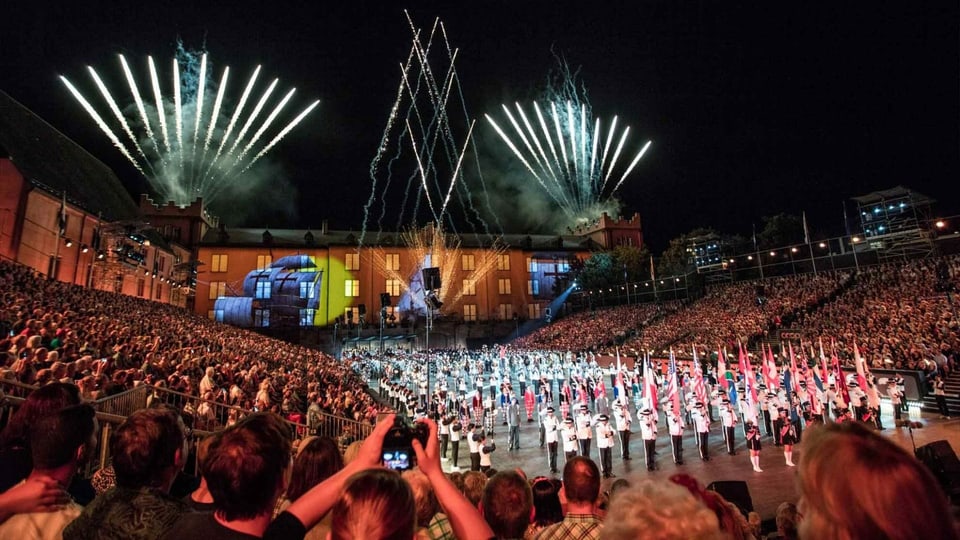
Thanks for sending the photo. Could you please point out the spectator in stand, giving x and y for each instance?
(15, 453)
(546, 505)
(788, 518)
(885, 492)
(507, 504)
(148, 449)
(579, 495)
(318, 458)
(659, 510)
(60, 442)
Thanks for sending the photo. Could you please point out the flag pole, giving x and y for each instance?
(806, 238)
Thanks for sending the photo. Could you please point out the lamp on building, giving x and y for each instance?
(84, 248)
(68, 242)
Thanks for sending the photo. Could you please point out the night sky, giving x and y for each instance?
(753, 107)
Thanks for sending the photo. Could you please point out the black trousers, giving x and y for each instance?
(444, 441)
(729, 433)
(649, 447)
(625, 443)
(456, 451)
(766, 423)
(703, 439)
(584, 447)
(606, 461)
(676, 442)
(474, 461)
(552, 457)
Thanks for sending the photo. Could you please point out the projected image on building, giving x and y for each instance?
(286, 293)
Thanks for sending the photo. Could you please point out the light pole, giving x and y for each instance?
(853, 246)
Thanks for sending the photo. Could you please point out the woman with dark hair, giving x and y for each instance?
(318, 458)
(15, 460)
(546, 505)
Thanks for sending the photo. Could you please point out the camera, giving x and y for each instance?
(397, 448)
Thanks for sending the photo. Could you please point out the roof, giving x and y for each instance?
(51, 161)
(898, 192)
(296, 238)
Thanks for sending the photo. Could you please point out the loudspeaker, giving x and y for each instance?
(431, 278)
(384, 300)
(942, 461)
(362, 309)
(736, 492)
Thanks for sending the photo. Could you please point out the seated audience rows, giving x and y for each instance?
(107, 343)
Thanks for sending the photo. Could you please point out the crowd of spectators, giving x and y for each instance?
(899, 314)
(590, 330)
(108, 343)
(737, 312)
(852, 483)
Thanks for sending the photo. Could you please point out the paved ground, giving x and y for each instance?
(768, 489)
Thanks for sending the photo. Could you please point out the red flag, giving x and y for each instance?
(858, 361)
(764, 366)
(824, 371)
(673, 390)
(774, 381)
(699, 389)
(649, 386)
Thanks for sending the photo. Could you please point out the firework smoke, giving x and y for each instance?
(573, 157)
(183, 165)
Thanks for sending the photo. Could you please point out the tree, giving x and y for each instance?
(780, 230)
(632, 261)
(676, 259)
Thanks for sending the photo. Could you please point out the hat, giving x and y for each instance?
(698, 405)
(603, 418)
(725, 401)
(550, 409)
(803, 382)
(852, 384)
(761, 386)
(771, 394)
(584, 407)
(568, 420)
(646, 412)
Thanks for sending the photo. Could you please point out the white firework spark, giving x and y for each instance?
(576, 181)
(181, 171)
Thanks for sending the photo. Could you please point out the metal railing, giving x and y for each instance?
(123, 404)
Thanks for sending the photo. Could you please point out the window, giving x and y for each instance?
(469, 287)
(159, 289)
(504, 284)
(217, 289)
(351, 287)
(533, 311)
(393, 261)
(263, 289)
(351, 314)
(467, 262)
(211, 315)
(161, 264)
(306, 317)
(533, 287)
(261, 317)
(141, 284)
(563, 267)
(264, 261)
(393, 287)
(219, 263)
(503, 262)
(352, 261)
(532, 265)
(506, 311)
(469, 312)
(308, 289)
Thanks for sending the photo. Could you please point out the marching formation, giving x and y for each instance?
(581, 402)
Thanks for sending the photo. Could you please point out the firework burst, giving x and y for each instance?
(202, 157)
(433, 247)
